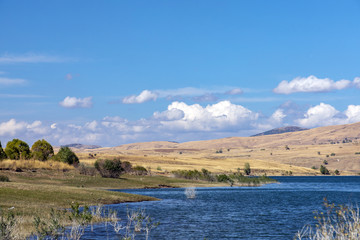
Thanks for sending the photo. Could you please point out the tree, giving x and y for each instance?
(17, 149)
(67, 156)
(42, 150)
(2, 153)
(109, 168)
(324, 170)
(247, 169)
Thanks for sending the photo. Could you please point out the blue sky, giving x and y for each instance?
(115, 72)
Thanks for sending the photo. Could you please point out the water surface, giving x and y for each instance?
(273, 211)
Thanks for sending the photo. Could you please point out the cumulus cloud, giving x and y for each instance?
(144, 96)
(12, 81)
(325, 115)
(73, 102)
(220, 116)
(13, 127)
(311, 84)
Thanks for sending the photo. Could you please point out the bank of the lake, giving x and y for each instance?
(34, 192)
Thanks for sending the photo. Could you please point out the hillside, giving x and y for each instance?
(276, 154)
(281, 130)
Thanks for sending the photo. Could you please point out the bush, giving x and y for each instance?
(17, 149)
(2, 153)
(324, 170)
(42, 150)
(4, 178)
(109, 168)
(126, 166)
(337, 172)
(139, 170)
(223, 178)
(86, 170)
(247, 169)
(67, 156)
(332, 154)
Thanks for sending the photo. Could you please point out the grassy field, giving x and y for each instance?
(273, 161)
(34, 191)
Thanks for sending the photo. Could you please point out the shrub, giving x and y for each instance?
(2, 153)
(86, 170)
(332, 154)
(17, 149)
(337, 172)
(139, 170)
(247, 169)
(324, 170)
(42, 150)
(126, 166)
(223, 178)
(313, 167)
(67, 156)
(4, 178)
(325, 162)
(109, 168)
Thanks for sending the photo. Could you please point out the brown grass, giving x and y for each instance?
(34, 164)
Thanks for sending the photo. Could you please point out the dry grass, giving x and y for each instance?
(270, 160)
(264, 153)
(34, 164)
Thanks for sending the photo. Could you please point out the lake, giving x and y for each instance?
(273, 211)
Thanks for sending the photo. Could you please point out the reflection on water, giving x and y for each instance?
(274, 211)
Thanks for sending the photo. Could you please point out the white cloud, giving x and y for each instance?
(12, 81)
(278, 116)
(11, 127)
(73, 102)
(325, 115)
(220, 116)
(353, 113)
(30, 58)
(53, 126)
(311, 84)
(320, 115)
(92, 125)
(356, 82)
(235, 91)
(144, 96)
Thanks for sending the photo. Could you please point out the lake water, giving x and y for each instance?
(273, 211)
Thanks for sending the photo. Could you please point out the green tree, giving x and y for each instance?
(109, 168)
(324, 170)
(17, 149)
(247, 169)
(67, 156)
(42, 150)
(2, 153)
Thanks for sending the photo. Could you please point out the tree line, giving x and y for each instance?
(41, 150)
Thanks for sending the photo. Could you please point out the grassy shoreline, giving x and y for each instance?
(34, 192)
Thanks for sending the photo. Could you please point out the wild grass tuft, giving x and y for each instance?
(337, 222)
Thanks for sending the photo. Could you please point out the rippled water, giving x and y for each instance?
(273, 211)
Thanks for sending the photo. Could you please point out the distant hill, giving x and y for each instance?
(281, 130)
(81, 146)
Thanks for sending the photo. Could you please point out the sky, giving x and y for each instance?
(116, 72)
